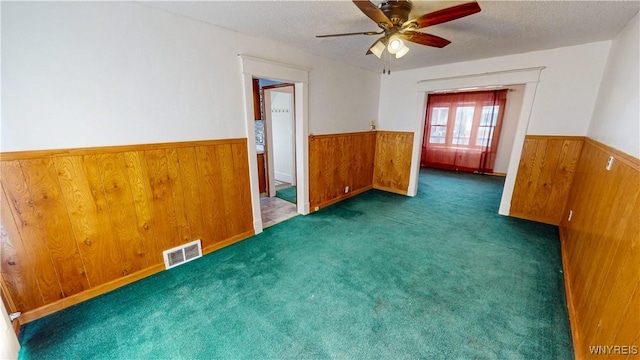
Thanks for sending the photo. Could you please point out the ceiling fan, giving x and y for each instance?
(392, 16)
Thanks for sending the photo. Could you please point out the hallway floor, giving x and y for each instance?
(275, 210)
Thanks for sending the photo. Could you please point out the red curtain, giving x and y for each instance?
(462, 130)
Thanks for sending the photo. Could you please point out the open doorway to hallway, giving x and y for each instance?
(276, 149)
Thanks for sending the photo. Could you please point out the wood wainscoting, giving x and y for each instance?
(393, 161)
(361, 161)
(601, 251)
(337, 161)
(546, 171)
(81, 222)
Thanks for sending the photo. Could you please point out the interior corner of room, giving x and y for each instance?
(119, 143)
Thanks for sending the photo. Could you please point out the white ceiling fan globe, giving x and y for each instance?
(395, 45)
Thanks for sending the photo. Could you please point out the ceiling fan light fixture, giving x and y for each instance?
(392, 16)
(402, 52)
(395, 44)
(377, 49)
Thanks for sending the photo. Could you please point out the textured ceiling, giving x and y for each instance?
(501, 28)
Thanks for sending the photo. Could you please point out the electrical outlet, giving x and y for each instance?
(346, 189)
(609, 163)
(316, 208)
(570, 215)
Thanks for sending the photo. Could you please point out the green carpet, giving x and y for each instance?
(288, 194)
(378, 276)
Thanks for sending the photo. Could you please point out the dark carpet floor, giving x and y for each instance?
(288, 194)
(378, 276)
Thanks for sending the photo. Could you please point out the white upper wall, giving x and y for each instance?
(79, 74)
(616, 118)
(564, 99)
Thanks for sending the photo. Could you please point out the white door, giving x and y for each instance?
(280, 132)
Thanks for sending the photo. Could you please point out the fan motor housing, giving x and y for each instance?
(397, 10)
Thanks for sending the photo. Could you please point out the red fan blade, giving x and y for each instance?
(425, 39)
(444, 15)
(374, 13)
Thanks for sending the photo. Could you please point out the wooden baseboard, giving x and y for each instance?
(356, 192)
(230, 241)
(88, 294)
(117, 283)
(391, 190)
(534, 218)
(577, 343)
(340, 198)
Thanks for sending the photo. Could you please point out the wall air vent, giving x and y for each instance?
(182, 254)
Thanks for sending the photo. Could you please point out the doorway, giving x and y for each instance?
(529, 77)
(276, 149)
(279, 105)
(251, 68)
(462, 130)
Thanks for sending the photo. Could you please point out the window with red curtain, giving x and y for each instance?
(462, 130)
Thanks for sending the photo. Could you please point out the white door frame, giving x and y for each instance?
(9, 345)
(253, 67)
(529, 77)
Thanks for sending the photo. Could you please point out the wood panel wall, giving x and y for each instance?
(362, 161)
(601, 251)
(337, 161)
(77, 223)
(392, 167)
(546, 171)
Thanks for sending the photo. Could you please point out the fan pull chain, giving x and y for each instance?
(389, 64)
(386, 62)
